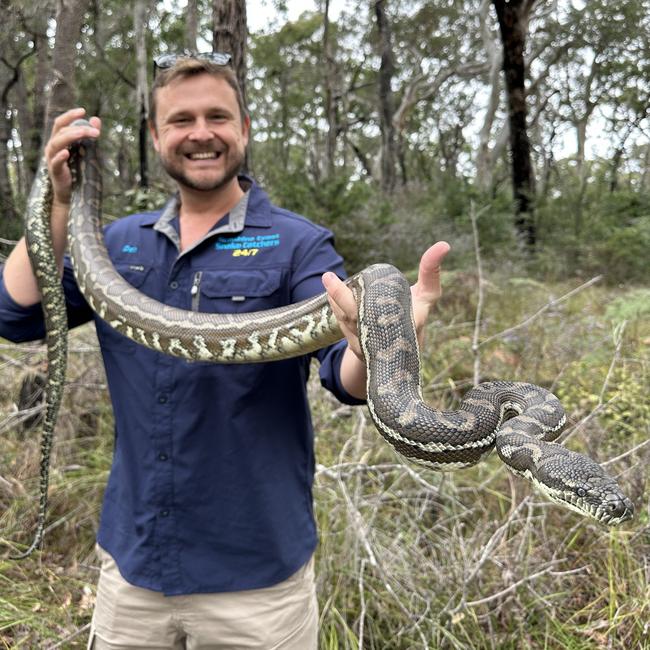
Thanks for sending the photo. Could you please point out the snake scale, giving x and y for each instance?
(520, 420)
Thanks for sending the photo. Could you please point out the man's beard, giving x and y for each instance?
(234, 164)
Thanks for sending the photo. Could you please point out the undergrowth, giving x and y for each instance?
(409, 558)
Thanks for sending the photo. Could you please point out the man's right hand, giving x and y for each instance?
(57, 150)
(17, 273)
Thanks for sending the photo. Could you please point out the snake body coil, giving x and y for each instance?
(519, 420)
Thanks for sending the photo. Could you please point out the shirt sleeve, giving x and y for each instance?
(19, 324)
(313, 258)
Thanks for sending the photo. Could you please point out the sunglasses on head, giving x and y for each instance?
(166, 61)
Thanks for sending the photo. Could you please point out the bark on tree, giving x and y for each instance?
(20, 101)
(39, 94)
(485, 156)
(69, 18)
(142, 94)
(191, 25)
(513, 24)
(30, 101)
(386, 100)
(330, 93)
(7, 204)
(229, 34)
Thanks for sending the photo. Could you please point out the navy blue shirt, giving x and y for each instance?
(210, 488)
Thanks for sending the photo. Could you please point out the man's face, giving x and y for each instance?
(199, 133)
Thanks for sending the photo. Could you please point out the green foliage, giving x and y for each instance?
(624, 254)
(632, 305)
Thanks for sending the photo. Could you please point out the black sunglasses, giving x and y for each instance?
(166, 61)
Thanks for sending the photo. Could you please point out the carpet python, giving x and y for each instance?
(520, 420)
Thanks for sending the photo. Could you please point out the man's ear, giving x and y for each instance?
(154, 134)
(246, 126)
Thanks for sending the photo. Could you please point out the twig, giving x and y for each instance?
(82, 348)
(540, 311)
(14, 419)
(618, 343)
(625, 454)
(362, 600)
(6, 484)
(514, 585)
(486, 553)
(75, 634)
(335, 471)
(481, 294)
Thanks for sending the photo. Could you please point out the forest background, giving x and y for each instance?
(518, 132)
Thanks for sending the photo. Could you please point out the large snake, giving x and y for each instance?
(520, 420)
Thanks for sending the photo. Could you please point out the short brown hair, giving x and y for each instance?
(189, 67)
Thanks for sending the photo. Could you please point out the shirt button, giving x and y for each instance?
(164, 513)
(162, 398)
(163, 456)
(173, 285)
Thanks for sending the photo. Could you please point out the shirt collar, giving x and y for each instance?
(253, 209)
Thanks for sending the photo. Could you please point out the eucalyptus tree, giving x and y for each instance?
(140, 14)
(230, 34)
(513, 18)
(388, 150)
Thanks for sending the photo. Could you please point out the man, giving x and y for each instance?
(207, 530)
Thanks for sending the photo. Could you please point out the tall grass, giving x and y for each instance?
(409, 558)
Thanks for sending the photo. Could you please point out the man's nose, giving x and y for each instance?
(201, 131)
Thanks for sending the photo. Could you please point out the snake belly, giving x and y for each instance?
(520, 420)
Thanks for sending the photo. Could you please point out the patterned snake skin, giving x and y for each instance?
(520, 420)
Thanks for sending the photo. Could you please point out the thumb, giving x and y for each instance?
(428, 283)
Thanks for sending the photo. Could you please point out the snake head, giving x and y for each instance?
(579, 483)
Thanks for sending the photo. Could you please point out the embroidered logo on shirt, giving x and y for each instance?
(245, 246)
(129, 248)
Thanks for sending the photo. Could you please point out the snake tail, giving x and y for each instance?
(41, 254)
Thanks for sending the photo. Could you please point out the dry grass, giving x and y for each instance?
(409, 558)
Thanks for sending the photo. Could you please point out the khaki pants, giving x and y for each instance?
(282, 617)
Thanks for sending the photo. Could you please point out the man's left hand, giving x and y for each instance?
(424, 293)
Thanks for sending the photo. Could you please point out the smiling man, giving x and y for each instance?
(207, 531)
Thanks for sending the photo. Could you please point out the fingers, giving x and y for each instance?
(341, 296)
(56, 150)
(344, 306)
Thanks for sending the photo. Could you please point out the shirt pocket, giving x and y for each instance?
(136, 275)
(240, 291)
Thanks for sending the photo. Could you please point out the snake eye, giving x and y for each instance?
(581, 492)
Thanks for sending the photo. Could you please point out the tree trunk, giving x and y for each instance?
(330, 92)
(229, 34)
(7, 205)
(142, 95)
(386, 101)
(26, 129)
(191, 25)
(513, 24)
(69, 18)
(39, 90)
(485, 156)
(645, 173)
